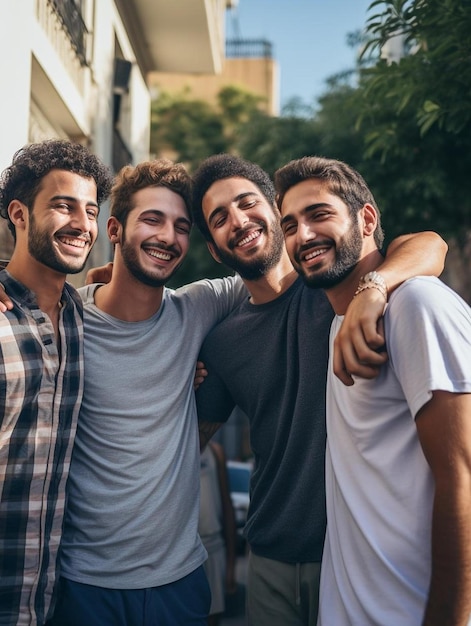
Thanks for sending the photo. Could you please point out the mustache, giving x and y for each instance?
(75, 234)
(163, 247)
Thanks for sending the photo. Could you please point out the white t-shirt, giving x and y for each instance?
(379, 487)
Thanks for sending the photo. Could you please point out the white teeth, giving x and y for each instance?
(250, 237)
(163, 256)
(78, 243)
(314, 253)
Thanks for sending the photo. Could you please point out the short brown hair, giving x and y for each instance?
(156, 173)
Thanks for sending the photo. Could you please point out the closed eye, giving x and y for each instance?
(218, 221)
(183, 229)
(289, 228)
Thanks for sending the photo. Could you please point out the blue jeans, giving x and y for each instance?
(184, 602)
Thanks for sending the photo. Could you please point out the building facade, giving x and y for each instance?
(77, 69)
(249, 64)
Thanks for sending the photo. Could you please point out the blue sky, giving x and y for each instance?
(309, 38)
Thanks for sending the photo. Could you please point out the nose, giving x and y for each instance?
(238, 218)
(305, 233)
(82, 221)
(166, 233)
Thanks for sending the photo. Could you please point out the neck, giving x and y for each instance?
(126, 298)
(342, 294)
(47, 284)
(274, 283)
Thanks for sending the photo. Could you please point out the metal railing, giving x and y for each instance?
(71, 19)
(248, 48)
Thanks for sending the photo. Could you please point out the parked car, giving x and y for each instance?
(239, 484)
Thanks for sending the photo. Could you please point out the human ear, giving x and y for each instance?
(113, 228)
(18, 214)
(369, 219)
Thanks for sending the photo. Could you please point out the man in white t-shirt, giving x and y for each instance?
(398, 463)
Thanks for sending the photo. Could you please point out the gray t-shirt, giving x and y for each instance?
(132, 514)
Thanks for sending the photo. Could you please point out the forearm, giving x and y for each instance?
(230, 537)
(449, 601)
(206, 430)
(420, 254)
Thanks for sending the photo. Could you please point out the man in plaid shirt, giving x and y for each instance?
(50, 196)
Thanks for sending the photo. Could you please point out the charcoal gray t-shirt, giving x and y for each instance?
(271, 361)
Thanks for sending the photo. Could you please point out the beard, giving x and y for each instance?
(256, 268)
(348, 253)
(146, 277)
(41, 248)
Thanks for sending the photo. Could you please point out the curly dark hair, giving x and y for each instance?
(156, 173)
(22, 179)
(222, 166)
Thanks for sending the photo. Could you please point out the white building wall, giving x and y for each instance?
(78, 105)
(46, 93)
(16, 27)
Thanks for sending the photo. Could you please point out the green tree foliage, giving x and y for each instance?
(192, 129)
(188, 129)
(271, 142)
(434, 78)
(416, 118)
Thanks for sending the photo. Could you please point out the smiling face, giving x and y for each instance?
(324, 241)
(244, 227)
(156, 237)
(63, 221)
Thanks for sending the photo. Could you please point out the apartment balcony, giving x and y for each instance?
(249, 49)
(176, 36)
(72, 22)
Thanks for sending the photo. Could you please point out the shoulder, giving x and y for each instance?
(210, 301)
(425, 295)
(87, 293)
(210, 288)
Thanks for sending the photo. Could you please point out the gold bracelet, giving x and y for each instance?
(372, 280)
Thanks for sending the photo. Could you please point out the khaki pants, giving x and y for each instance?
(282, 594)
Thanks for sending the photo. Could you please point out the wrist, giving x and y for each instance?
(372, 280)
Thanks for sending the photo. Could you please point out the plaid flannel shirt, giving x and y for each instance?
(40, 395)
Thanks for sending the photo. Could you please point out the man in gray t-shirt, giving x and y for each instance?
(130, 544)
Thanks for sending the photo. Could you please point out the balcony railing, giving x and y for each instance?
(71, 19)
(249, 48)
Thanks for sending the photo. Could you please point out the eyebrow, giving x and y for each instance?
(159, 213)
(308, 209)
(237, 198)
(72, 199)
